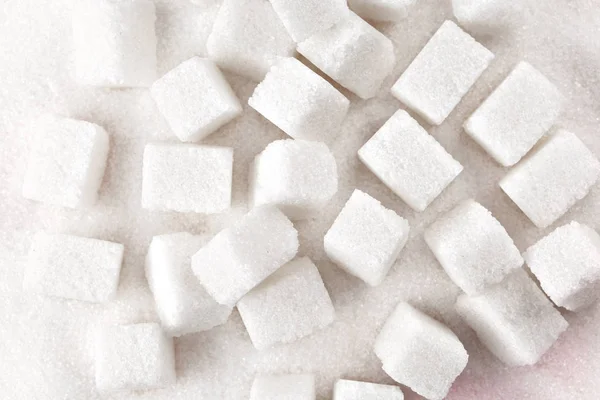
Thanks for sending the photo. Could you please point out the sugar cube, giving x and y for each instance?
(66, 163)
(409, 161)
(133, 357)
(195, 99)
(513, 319)
(547, 183)
(355, 390)
(382, 10)
(187, 178)
(115, 42)
(366, 238)
(73, 267)
(567, 265)
(487, 17)
(473, 247)
(297, 176)
(442, 73)
(300, 102)
(242, 256)
(420, 352)
(183, 305)
(283, 387)
(290, 304)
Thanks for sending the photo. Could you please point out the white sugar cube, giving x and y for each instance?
(195, 99)
(297, 176)
(487, 17)
(352, 53)
(115, 42)
(409, 161)
(442, 73)
(183, 305)
(382, 10)
(355, 390)
(547, 183)
(66, 163)
(134, 357)
(420, 352)
(300, 102)
(248, 37)
(366, 238)
(567, 265)
(283, 387)
(239, 258)
(187, 178)
(73, 267)
(290, 304)
(473, 247)
(513, 319)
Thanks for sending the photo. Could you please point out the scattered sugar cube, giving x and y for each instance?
(134, 357)
(300, 102)
(473, 247)
(547, 183)
(420, 352)
(73, 267)
(66, 163)
(513, 319)
(115, 42)
(442, 73)
(239, 258)
(366, 238)
(195, 99)
(355, 390)
(567, 265)
(290, 304)
(283, 387)
(297, 176)
(382, 10)
(409, 161)
(187, 178)
(183, 305)
(487, 17)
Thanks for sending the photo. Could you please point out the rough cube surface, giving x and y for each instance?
(355, 390)
(487, 17)
(283, 387)
(382, 10)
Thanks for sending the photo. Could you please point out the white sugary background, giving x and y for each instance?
(44, 346)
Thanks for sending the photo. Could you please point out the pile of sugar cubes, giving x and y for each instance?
(509, 295)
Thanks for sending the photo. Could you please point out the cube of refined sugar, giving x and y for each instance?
(242, 256)
(183, 305)
(187, 178)
(516, 115)
(420, 352)
(283, 387)
(513, 319)
(66, 163)
(382, 10)
(300, 102)
(366, 238)
(409, 161)
(352, 53)
(486, 17)
(290, 304)
(297, 176)
(567, 265)
(551, 180)
(248, 38)
(73, 267)
(355, 390)
(442, 73)
(115, 42)
(134, 357)
(195, 99)
(473, 247)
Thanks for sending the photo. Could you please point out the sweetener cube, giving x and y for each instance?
(187, 178)
(283, 387)
(366, 238)
(183, 305)
(420, 352)
(442, 73)
(300, 102)
(567, 265)
(547, 183)
(287, 306)
(242, 256)
(382, 10)
(73, 267)
(487, 17)
(195, 99)
(409, 161)
(115, 42)
(513, 319)
(473, 247)
(355, 390)
(66, 163)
